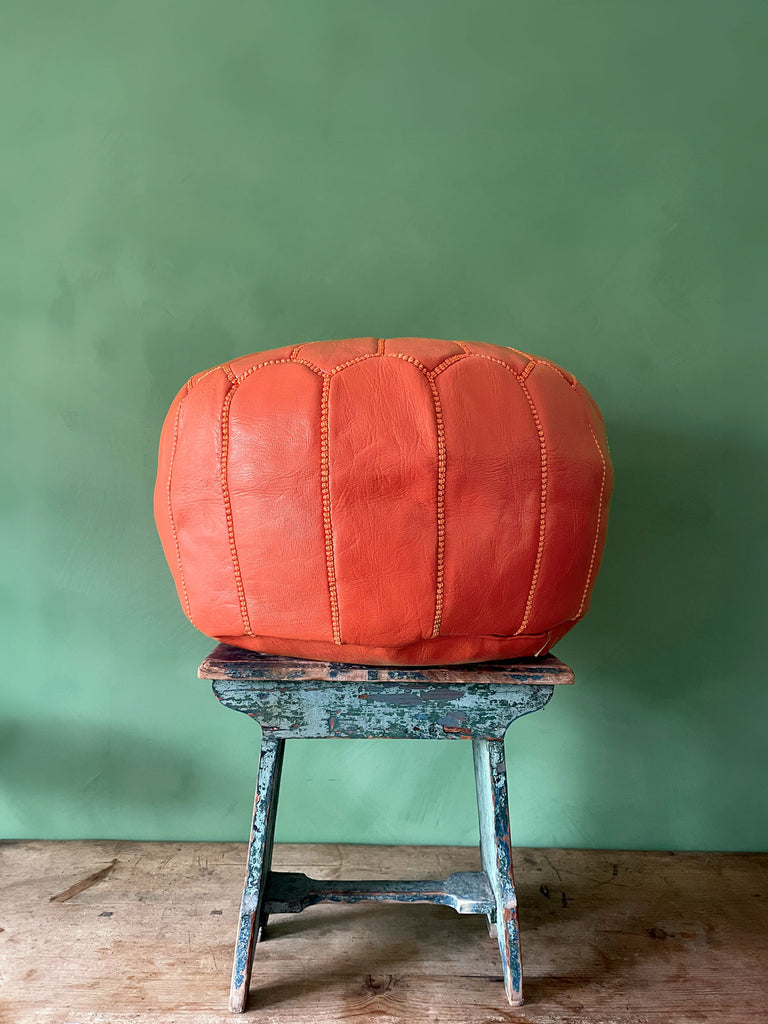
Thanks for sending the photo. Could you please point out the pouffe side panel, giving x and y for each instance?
(575, 500)
(198, 507)
(492, 498)
(275, 491)
(383, 480)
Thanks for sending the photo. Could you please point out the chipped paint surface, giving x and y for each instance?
(496, 855)
(326, 709)
(290, 892)
(252, 916)
(295, 700)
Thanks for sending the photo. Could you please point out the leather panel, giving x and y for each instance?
(492, 498)
(382, 440)
(276, 499)
(198, 507)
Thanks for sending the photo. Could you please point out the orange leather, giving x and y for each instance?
(399, 501)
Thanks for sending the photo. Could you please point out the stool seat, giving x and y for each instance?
(293, 698)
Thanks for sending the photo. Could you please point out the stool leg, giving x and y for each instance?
(252, 916)
(496, 853)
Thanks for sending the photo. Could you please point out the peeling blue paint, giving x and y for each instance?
(321, 700)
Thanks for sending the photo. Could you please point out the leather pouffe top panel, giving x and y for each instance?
(400, 501)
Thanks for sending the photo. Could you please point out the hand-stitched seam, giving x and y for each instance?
(597, 529)
(295, 352)
(532, 362)
(447, 362)
(441, 463)
(385, 355)
(274, 362)
(170, 509)
(543, 512)
(493, 359)
(227, 638)
(407, 359)
(527, 370)
(567, 377)
(201, 378)
(327, 522)
(380, 345)
(351, 362)
(471, 352)
(228, 507)
(520, 352)
(311, 366)
(231, 375)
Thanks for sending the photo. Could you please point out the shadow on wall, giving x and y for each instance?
(84, 763)
(666, 731)
(680, 589)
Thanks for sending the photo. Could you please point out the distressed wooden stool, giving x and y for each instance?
(296, 699)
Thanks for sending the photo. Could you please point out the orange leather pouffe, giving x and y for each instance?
(401, 501)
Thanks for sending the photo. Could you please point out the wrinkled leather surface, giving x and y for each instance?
(407, 501)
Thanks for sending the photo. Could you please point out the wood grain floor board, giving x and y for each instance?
(608, 938)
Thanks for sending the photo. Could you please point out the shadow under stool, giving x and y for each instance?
(292, 698)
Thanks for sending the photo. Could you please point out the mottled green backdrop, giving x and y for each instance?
(183, 182)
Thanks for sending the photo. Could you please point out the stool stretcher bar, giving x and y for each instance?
(289, 892)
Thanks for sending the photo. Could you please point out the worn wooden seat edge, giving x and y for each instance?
(237, 663)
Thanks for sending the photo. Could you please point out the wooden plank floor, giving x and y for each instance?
(608, 938)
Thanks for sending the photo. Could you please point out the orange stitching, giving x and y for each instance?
(469, 351)
(231, 376)
(599, 519)
(311, 366)
(407, 359)
(447, 362)
(532, 362)
(380, 343)
(385, 355)
(170, 509)
(327, 524)
(567, 377)
(228, 508)
(202, 377)
(493, 359)
(519, 352)
(441, 460)
(294, 358)
(258, 366)
(351, 362)
(501, 362)
(543, 513)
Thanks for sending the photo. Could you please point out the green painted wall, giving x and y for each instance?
(183, 182)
